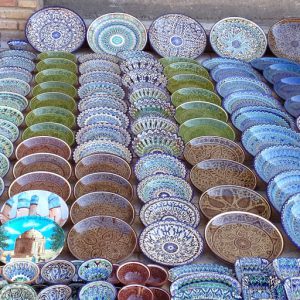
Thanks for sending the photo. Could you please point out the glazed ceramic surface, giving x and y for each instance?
(57, 63)
(185, 68)
(292, 106)
(95, 269)
(12, 115)
(9, 130)
(287, 87)
(286, 267)
(165, 61)
(274, 73)
(141, 63)
(24, 291)
(100, 65)
(13, 100)
(54, 86)
(291, 287)
(4, 165)
(158, 277)
(17, 73)
(56, 75)
(104, 76)
(263, 62)
(2, 186)
(14, 85)
(6, 146)
(58, 291)
(97, 289)
(21, 53)
(214, 62)
(144, 92)
(17, 61)
(133, 273)
(58, 271)
(101, 55)
(57, 54)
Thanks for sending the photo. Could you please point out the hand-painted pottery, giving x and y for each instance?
(286, 267)
(236, 84)
(101, 146)
(259, 137)
(17, 61)
(15, 72)
(133, 273)
(206, 147)
(274, 73)
(158, 276)
(31, 238)
(199, 127)
(43, 144)
(104, 76)
(18, 52)
(163, 186)
(91, 88)
(102, 236)
(13, 85)
(6, 146)
(214, 62)
(241, 99)
(100, 55)
(4, 165)
(170, 209)
(102, 203)
(159, 163)
(165, 61)
(53, 99)
(283, 38)
(102, 162)
(180, 81)
(160, 294)
(23, 291)
(171, 243)
(50, 129)
(292, 106)
(103, 132)
(177, 35)
(263, 62)
(55, 292)
(56, 75)
(137, 54)
(226, 198)
(100, 65)
(43, 162)
(58, 271)
(232, 235)
(9, 130)
(146, 92)
(2, 186)
(185, 68)
(13, 100)
(20, 272)
(291, 287)
(57, 54)
(287, 87)
(159, 141)
(141, 63)
(199, 109)
(238, 38)
(94, 290)
(12, 115)
(103, 182)
(95, 269)
(54, 86)
(35, 180)
(57, 63)
(35, 202)
(135, 291)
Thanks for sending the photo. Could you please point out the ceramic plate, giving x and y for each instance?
(31, 238)
(56, 75)
(145, 92)
(99, 65)
(165, 61)
(4, 165)
(104, 75)
(6, 146)
(292, 106)
(91, 88)
(56, 291)
(212, 172)
(96, 288)
(171, 243)
(54, 86)
(274, 73)
(177, 35)
(185, 68)
(17, 61)
(232, 235)
(12, 115)
(47, 29)
(101, 55)
(102, 236)
(13, 100)
(57, 54)
(13, 85)
(9, 130)
(2, 186)
(58, 271)
(287, 87)
(57, 63)
(25, 291)
(15, 72)
(214, 62)
(238, 38)
(263, 62)
(22, 53)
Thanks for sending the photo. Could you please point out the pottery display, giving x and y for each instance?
(95, 269)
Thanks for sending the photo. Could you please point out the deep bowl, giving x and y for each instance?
(133, 273)
(158, 276)
(135, 292)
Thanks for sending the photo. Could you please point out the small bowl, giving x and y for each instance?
(158, 276)
(19, 45)
(57, 63)
(57, 54)
(98, 290)
(160, 294)
(55, 292)
(133, 273)
(54, 86)
(113, 279)
(56, 75)
(135, 292)
(58, 271)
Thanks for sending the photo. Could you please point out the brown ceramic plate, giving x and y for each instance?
(42, 162)
(212, 172)
(225, 198)
(206, 147)
(102, 236)
(102, 162)
(103, 182)
(102, 203)
(233, 235)
(43, 144)
(41, 181)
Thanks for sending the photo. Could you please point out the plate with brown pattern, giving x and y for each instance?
(233, 235)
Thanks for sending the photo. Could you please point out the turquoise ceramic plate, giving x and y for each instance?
(13, 85)
(11, 115)
(17, 61)
(13, 100)
(9, 130)
(4, 165)
(6, 146)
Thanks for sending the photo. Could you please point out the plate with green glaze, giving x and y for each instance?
(205, 127)
(51, 114)
(57, 63)
(53, 99)
(185, 68)
(57, 54)
(50, 129)
(13, 100)
(165, 61)
(56, 75)
(199, 109)
(6, 146)
(12, 115)
(54, 86)
(9, 130)
(180, 81)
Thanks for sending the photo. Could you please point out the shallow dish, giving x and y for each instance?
(56, 75)
(6, 146)
(96, 289)
(91, 88)
(145, 92)
(16, 73)
(17, 61)
(55, 291)
(165, 61)
(214, 62)
(287, 87)
(185, 68)
(4, 165)
(56, 63)
(13, 100)
(57, 54)
(103, 76)
(274, 73)
(101, 65)
(263, 62)
(25, 291)
(12, 115)
(9, 130)
(286, 267)
(58, 271)
(95, 269)
(54, 86)
(134, 63)
(18, 52)
(101, 55)
(292, 106)
(13, 85)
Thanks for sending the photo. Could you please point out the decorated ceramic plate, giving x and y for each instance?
(144, 92)
(57, 54)
(17, 73)
(22, 53)
(32, 238)
(216, 61)
(9, 130)
(56, 75)
(13, 85)
(24, 290)
(4, 165)
(13, 100)
(102, 236)
(238, 38)
(104, 75)
(101, 55)
(232, 235)
(99, 65)
(171, 243)
(94, 289)
(263, 62)
(287, 87)
(2, 186)
(54, 86)
(36, 203)
(12, 115)
(116, 32)
(47, 29)
(57, 63)
(6, 146)
(177, 35)
(17, 61)
(226, 198)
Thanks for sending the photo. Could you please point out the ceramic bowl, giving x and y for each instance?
(55, 292)
(95, 269)
(105, 76)
(99, 65)
(274, 73)
(56, 63)
(20, 272)
(51, 114)
(103, 181)
(213, 172)
(198, 127)
(113, 276)
(26, 291)
(287, 87)
(133, 273)
(9, 130)
(16, 73)
(53, 99)
(57, 54)
(163, 186)
(19, 45)
(91, 88)
(13, 85)
(158, 276)
(6, 146)
(165, 61)
(58, 271)
(43, 162)
(96, 289)
(286, 267)
(43, 144)
(102, 162)
(56, 75)
(100, 55)
(141, 63)
(12, 115)
(291, 287)
(214, 62)
(17, 61)
(160, 294)
(13, 100)
(135, 291)
(49, 129)
(19, 53)
(54, 86)
(158, 163)
(144, 92)
(292, 106)
(50, 182)
(177, 68)
(4, 165)
(263, 62)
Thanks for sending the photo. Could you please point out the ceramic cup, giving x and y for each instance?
(133, 273)
(135, 292)
(158, 276)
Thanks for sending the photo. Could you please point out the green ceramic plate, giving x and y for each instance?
(50, 129)
(51, 114)
(57, 54)
(54, 86)
(194, 94)
(205, 127)
(6, 146)
(53, 99)
(57, 63)
(185, 68)
(4, 165)
(199, 109)
(165, 61)
(12, 115)
(188, 80)
(56, 75)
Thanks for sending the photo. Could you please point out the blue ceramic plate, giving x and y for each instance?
(292, 106)
(98, 289)
(90, 89)
(99, 65)
(4, 165)
(286, 267)
(17, 73)
(25, 291)
(13, 85)
(287, 87)
(26, 54)
(9, 130)
(13, 100)
(104, 76)
(214, 62)
(57, 291)
(274, 73)
(263, 62)
(292, 287)
(17, 61)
